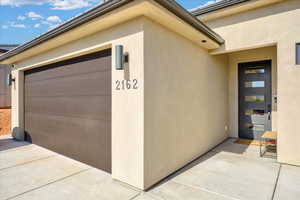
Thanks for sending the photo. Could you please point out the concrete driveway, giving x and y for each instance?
(230, 171)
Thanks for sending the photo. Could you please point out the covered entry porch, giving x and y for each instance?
(252, 92)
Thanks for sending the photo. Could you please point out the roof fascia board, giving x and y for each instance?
(106, 8)
(216, 6)
(190, 19)
(72, 23)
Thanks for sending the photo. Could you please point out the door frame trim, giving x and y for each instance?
(238, 88)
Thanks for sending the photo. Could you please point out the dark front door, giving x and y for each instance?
(254, 99)
(68, 108)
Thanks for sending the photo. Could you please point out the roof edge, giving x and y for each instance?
(106, 7)
(182, 13)
(70, 24)
(216, 6)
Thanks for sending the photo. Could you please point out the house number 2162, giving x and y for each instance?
(127, 84)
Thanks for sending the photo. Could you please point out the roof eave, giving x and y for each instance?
(105, 8)
(90, 14)
(190, 19)
(216, 6)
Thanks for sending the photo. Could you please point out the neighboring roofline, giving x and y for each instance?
(3, 47)
(9, 45)
(106, 7)
(216, 6)
(3, 50)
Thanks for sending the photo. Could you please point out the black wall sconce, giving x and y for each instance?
(121, 57)
(9, 79)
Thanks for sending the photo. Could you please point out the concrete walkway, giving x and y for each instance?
(230, 171)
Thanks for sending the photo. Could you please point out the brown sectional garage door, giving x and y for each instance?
(68, 108)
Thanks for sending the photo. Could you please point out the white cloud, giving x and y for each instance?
(54, 19)
(19, 25)
(21, 2)
(55, 4)
(52, 22)
(206, 4)
(46, 23)
(21, 18)
(14, 25)
(4, 27)
(71, 4)
(37, 25)
(52, 26)
(34, 16)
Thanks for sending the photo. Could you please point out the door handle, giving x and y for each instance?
(269, 115)
(269, 111)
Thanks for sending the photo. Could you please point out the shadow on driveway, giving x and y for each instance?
(7, 143)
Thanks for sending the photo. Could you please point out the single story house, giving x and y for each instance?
(5, 93)
(139, 88)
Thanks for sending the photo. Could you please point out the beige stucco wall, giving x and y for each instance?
(267, 53)
(177, 125)
(146, 144)
(185, 102)
(127, 106)
(17, 105)
(276, 24)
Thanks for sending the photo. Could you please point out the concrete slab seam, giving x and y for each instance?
(24, 163)
(275, 186)
(209, 191)
(135, 196)
(48, 183)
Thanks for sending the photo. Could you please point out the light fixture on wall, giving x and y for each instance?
(9, 79)
(121, 57)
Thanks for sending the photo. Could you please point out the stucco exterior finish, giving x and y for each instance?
(185, 102)
(177, 124)
(127, 106)
(267, 53)
(275, 24)
(17, 101)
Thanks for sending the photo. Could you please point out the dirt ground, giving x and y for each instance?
(5, 116)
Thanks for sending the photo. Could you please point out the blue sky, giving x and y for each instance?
(23, 20)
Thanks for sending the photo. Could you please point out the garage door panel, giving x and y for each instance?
(68, 109)
(87, 84)
(61, 135)
(100, 61)
(46, 124)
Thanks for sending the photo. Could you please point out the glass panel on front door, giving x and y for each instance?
(254, 84)
(254, 112)
(255, 70)
(254, 99)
